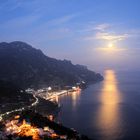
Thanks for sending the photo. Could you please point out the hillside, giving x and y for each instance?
(25, 66)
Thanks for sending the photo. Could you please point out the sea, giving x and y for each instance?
(107, 110)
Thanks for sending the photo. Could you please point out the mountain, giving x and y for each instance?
(25, 66)
(7, 88)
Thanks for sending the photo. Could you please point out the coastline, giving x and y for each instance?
(45, 107)
(39, 120)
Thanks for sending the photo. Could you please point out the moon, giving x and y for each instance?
(110, 45)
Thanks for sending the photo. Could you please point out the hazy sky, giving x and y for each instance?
(98, 33)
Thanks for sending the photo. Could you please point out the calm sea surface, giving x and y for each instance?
(109, 110)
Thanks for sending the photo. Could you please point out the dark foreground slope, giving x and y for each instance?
(11, 97)
(25, 66)
(28, 120)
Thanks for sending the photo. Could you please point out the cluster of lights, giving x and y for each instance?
(25, 129)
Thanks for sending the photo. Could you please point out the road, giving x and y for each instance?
(36, 96)
(20, 109)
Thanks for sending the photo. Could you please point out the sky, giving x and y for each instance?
(102, 34)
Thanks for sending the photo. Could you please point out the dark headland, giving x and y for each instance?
(25, 66)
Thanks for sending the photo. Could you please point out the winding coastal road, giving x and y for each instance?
(20, 109)
(36, 97)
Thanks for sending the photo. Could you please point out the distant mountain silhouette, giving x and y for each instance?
(25, 66)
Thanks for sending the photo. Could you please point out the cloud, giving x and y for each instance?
(107, 37)
(103, 32)
(102, 27)
(112, 50)
(91, 27)
(20, 22)
(110, 37)
(11, 5)
(61, 20)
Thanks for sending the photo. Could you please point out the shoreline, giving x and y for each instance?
(48, 128)
(36, 103)
(59, 128)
